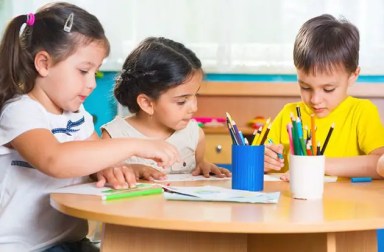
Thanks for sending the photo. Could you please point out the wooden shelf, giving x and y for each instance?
(290, 89)
(246, 100)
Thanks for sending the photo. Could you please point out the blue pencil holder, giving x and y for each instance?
(248, 167)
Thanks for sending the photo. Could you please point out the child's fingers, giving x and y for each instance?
(226, 172)
(285, 177)
(151, 174)
(272, 161)
(201, 171)
(217, 171)
(168, 155)
(205, 172)
(100, 180)
(273, 150)
(196, 171)
(116, 178)
(272, 164)
(129, 177)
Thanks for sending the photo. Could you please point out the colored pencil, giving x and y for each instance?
(257, 135)
(278, 154)
(231, 132)
(265, 135)
(289, 129)
(313, 134)
(327, 138)
(298, 112)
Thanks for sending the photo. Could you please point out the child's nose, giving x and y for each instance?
(315, 98)
(91, 83)
(193, 107)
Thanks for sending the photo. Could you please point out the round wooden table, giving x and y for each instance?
(345, 219)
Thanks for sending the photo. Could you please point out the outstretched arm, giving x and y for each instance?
(359, 166)
(80, 158)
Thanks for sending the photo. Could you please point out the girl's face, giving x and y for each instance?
(323, 92)
(176, 107)
(68, 83)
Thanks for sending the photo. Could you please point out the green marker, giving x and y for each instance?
(128, 194)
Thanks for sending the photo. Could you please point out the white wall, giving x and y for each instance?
(237, 36)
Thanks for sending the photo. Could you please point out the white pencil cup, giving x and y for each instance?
(306, 176)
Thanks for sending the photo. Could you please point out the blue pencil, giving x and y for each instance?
(361, 179)
(236, 133)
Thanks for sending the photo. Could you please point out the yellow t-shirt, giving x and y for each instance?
(358, 129)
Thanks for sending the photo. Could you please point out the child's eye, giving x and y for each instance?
(305, 88)
(181, 102)
(83, 71)
(329, 90)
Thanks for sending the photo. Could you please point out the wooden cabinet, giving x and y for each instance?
(218, 144)
(218, 148)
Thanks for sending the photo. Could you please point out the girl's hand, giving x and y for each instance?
(162, 152)
(271, 158)
(207, 168)
(126, 175)
(147, 172)
(119, 177)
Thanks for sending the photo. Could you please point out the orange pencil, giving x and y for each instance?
(309, 148)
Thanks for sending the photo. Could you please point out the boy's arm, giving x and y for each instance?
(359, 166)
(380, 166)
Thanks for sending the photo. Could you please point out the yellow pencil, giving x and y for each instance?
(257, 135)
(263, 131)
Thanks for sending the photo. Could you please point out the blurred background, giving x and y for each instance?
(229, 36)
(247, 41)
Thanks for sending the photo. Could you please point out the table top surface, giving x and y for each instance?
(345, 206)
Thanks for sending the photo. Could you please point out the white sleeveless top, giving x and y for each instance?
(184, 140)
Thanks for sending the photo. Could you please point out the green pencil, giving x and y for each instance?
(135, 193)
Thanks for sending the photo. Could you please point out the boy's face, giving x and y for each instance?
(323, 92)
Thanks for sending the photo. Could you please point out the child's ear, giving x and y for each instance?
(145, 103)
(354, 76)
(42, 60)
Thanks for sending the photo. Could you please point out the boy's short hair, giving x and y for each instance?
(325, 43)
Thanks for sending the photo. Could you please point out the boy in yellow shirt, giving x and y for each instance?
(326, 56)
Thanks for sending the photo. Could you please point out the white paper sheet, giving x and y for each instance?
(215, 193)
